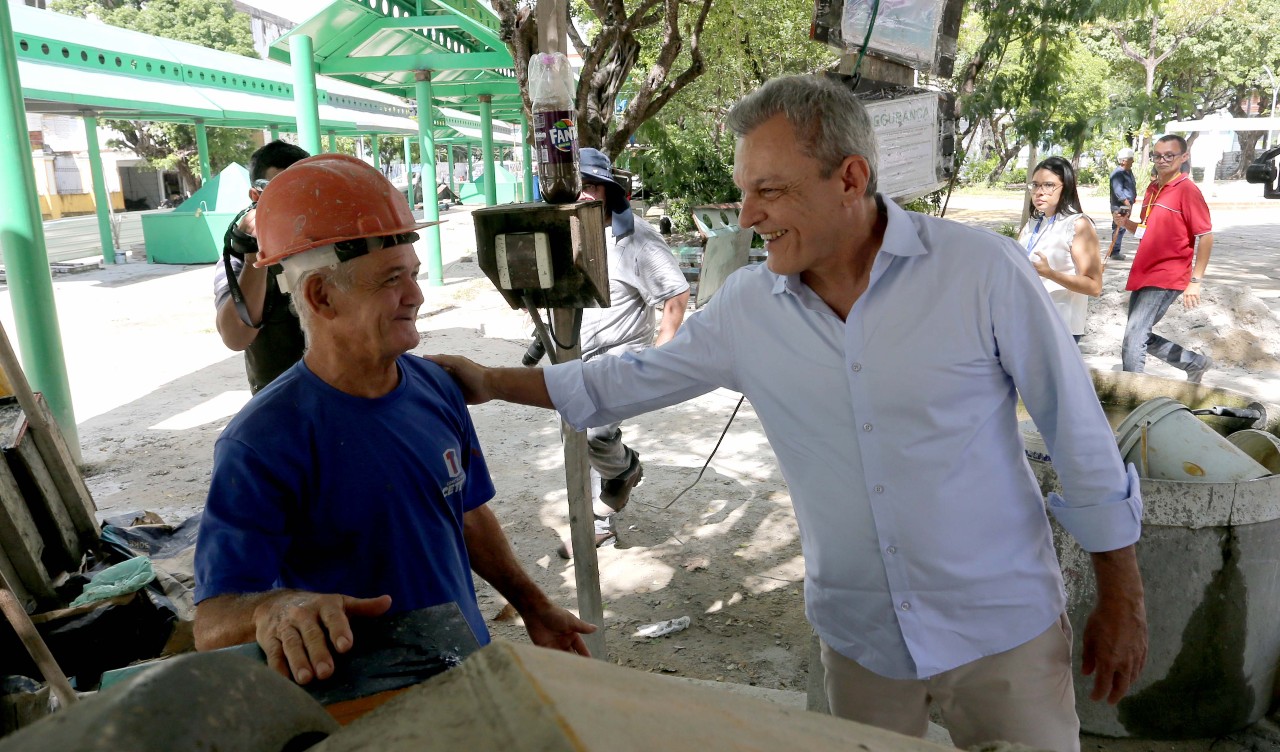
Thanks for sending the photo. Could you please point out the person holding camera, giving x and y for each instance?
(643, 276)
(253, 315)
(1124, 191)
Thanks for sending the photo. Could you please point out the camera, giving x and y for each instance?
(1264, 170)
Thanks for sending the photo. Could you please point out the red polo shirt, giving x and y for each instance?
(1175, 215)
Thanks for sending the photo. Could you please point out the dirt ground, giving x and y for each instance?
(153, 388)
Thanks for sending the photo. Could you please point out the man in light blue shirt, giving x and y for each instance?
(884, 352)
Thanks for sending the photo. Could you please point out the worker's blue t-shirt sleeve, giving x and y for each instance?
(243, 536)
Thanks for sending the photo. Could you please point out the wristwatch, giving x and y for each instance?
(1195, 279)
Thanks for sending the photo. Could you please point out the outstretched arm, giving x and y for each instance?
(479, 384)
(294, 627)
(1115, 637)
(492, 558)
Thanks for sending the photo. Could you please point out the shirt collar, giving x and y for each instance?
(901, 238)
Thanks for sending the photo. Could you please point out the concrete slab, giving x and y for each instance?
(520, 698)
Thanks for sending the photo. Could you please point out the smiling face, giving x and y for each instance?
(378, 315)
(801, 215)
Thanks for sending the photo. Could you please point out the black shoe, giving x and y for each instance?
(615, 492)
(1196, 371)
(1118, 256)
(565, 551)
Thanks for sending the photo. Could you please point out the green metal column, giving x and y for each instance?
(427, 153)
(470, 178)
(202, 146)
(275, 133)
(333, 143)
(486, 143)
(302, 57)
(26, 258)
(408, 167)
(373, 143)
(101, 199)
(450, 178)
(526, 157)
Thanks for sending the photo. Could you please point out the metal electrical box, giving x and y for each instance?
(545, 255)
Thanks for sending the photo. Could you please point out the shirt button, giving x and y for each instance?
(866, 426)
(905, 606)
(892, 549)
(879, 489)
(856, 367)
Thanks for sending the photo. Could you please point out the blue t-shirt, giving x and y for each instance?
(319, 490)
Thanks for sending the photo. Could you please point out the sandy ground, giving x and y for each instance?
(153, 387)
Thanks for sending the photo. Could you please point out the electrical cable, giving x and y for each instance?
(541, 330)
(866, 41)
(705, 465)
(577, 324)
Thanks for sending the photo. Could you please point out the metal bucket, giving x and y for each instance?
(1166, 442)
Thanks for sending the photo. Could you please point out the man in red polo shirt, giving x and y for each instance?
(1169, 262)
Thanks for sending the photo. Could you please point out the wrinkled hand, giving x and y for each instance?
(1191, 296)
(558, 629)
(468, 374)
(1040, 263)
(296, 629)
(1115, 647)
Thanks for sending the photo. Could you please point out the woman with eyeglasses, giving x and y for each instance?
(1062, 242)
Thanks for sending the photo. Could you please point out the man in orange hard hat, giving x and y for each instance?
(353, 484)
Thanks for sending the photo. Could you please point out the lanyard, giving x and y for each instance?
(1035, 233)
(1146, 210)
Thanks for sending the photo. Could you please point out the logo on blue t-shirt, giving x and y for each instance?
(456, 475)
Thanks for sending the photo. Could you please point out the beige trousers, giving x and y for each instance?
(1024, 695)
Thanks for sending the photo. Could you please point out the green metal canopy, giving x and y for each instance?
(380, 44)
(457, 127)
(70, 65)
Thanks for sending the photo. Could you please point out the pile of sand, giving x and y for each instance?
(1232, 325)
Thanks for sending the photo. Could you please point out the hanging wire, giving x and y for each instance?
(866, 40)
(705, 465)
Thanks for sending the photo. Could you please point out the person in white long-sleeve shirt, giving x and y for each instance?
(884, 352)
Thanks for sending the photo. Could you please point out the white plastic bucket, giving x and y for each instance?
(1262, 446)
(1166, 442)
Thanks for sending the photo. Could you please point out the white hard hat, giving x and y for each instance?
(1125, 153)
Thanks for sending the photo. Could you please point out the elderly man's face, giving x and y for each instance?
(380, 311)
(1126, 163)
(787, 202)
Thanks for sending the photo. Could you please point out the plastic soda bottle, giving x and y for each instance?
(555, 128)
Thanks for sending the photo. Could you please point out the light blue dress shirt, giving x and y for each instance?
(925, 538)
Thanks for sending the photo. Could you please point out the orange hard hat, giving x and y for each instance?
(328, 199)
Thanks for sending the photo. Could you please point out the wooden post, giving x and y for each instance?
(582, 525)
(552, 15)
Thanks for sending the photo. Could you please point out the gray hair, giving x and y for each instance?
(830, 122)
(340, 275)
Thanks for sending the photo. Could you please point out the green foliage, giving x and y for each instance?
(975, 170)
(1017, 175)
(930, 203)
(690, 154)
(1008, 229)
(209, 23)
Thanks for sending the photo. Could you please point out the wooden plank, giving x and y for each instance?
(66, 475)
(45, 495)
(20, 539)
(15, 583)
(58, 458)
